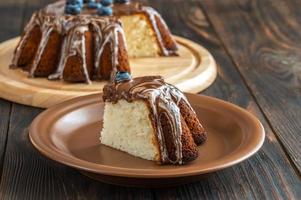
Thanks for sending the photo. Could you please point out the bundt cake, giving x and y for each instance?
(150, 119)
(80, 41)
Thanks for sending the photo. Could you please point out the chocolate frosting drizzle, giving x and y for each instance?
(73, 29)
(162, 99)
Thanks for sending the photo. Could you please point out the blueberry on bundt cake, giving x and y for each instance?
(150, 119)
(80, 41)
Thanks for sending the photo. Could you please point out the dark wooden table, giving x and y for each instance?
(257, 45)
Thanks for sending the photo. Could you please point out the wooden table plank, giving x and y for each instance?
(267, 175)
(5, 107)
(10, 26)
(11, 15)
(264, 40)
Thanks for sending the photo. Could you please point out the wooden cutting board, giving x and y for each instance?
(192, 71)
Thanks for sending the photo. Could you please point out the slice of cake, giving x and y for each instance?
(150, 119)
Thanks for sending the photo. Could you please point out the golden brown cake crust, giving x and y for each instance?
(197, 131)
(29, 49)
(73, 71)
(167, 39)
(168, 137)
(189, 148)
(123, 61)
(49, 58)
(105, 63)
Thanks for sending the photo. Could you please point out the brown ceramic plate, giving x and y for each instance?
(68, 133)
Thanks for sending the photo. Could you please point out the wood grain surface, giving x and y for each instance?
(264, 41)
(5, 107)
(270, 174)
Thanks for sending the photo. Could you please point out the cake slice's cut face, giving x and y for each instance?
(140, 36)
(127, 127)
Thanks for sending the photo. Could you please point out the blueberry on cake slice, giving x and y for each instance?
(150, 119)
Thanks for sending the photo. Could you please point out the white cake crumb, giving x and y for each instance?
(127, 127)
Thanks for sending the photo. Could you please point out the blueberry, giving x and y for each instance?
(75, 2)
(106, 2)
(94, 5)
(72, 9)
(122, 76)
(121, 1)
(106, 11)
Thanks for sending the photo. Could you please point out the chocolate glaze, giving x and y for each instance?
(162, 99)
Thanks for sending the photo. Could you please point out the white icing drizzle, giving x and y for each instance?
(81, 49)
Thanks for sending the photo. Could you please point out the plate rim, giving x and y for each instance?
(57, 156)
